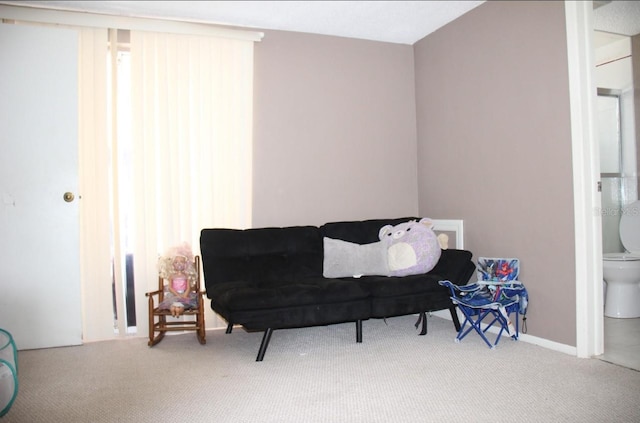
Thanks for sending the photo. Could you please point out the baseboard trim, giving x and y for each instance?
(545, 343)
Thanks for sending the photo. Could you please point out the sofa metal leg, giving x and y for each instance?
(358, 330)
(229, 327)
(265, 343)
(454, 317)
(422, 318)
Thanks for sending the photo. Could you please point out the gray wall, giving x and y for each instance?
(334, 130)
(476, 129)
(494, 146)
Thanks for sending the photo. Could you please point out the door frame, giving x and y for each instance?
(586, 175)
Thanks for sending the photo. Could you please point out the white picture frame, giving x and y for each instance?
(451, 225)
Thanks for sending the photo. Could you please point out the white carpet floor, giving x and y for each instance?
(321, 374)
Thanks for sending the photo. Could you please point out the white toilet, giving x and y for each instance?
(621, 271)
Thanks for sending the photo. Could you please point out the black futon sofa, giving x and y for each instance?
(272, 278)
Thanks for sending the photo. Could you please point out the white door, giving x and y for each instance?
(39, 230)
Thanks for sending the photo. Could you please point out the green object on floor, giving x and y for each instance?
(8, 372)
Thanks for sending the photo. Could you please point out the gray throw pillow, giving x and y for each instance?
(347, 259)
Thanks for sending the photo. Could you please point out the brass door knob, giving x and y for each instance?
(68, 197)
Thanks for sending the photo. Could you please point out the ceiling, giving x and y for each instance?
(402, 22)
(617, 17)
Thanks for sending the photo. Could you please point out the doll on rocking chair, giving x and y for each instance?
(177, 267)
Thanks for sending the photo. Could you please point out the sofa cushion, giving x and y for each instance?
(383, 286)
(260, 256)
(457, 265)
(242, 295)
(360, 232)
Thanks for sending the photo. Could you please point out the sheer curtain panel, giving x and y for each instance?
(95, 227)
(191, 99)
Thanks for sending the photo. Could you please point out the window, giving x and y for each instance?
(180, 142)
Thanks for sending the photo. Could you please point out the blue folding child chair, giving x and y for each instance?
(497, 294)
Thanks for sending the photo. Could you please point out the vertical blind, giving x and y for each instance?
(192, 143)
(94, 157)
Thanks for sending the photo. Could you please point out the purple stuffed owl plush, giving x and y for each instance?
(412, 247)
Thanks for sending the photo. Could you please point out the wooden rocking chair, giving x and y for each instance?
(158, 324)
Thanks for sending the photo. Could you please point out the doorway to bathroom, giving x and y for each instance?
(618, 174)
(617, 162)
